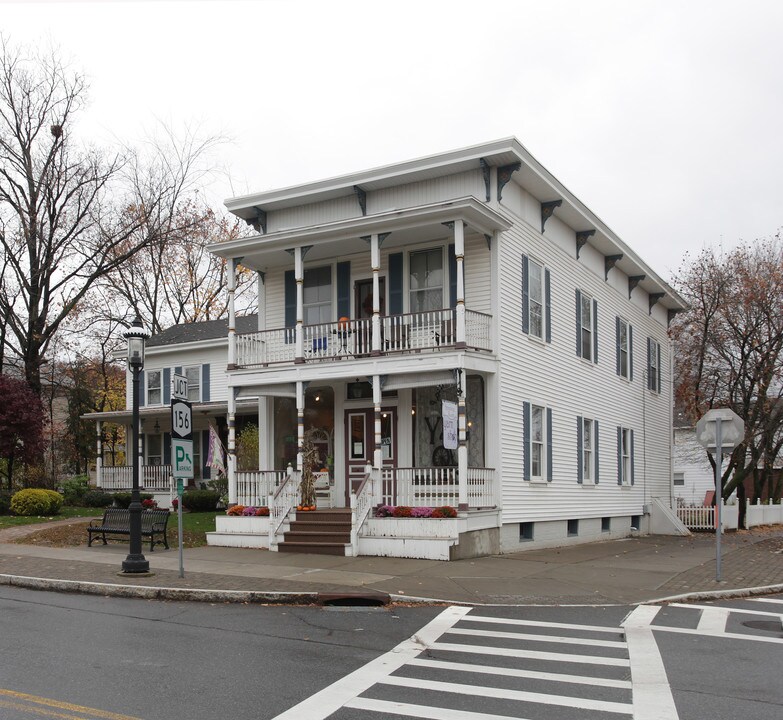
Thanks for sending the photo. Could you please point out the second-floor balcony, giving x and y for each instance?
(345, 338)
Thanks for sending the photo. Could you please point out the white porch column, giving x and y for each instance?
(459, 254)
(231, 459)
(462, 450)
(375, 261)
(232, 318)
(263, 434)
(376, 400)
(99, 456)
(300, 403)
(261, 293)
(299, 278)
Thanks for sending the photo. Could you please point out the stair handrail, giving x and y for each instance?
(361, 504)
(281, 502)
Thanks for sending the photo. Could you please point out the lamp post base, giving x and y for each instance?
(134, 564)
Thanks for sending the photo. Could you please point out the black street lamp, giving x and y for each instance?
(136, 335)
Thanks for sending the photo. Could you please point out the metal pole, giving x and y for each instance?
(718, 494)
(135, 562)
(179, 528)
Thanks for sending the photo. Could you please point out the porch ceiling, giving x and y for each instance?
(159, 412)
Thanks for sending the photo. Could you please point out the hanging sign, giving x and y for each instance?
(450, 425)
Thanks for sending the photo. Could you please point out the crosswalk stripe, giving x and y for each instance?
(504, 694)
(537, 638)
(744, 611)
(541, 623)
(532, 654)
(421, 711)
(726, 635)
(713, 620)
(766, 600)
(515, 672)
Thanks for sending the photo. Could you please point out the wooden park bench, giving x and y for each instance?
(116, 521)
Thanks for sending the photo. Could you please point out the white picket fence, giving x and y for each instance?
(703, 518)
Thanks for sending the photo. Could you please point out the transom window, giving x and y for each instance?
(426, 280)
(154, 396)
(536, 298)
(317, 296)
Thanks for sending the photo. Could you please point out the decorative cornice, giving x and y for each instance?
(547, 210)
(361, 196)
(486, 173)
(581, 239)
(654, 298)
(633, 281)
(609, 262)
(504, 175)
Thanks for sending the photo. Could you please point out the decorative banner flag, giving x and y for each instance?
(450, 428)
(215, 456)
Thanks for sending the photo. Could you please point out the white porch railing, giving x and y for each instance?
(151, 477)
(431, 487)
(266, 347)
(337, 339)
(281, 502)
(255, 487)
(477, 330)
(361, 504)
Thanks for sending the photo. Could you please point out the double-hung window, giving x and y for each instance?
(317, 296)
(586, 327)
(587, 450)
(625, 465)
(193, 375)
(154, 396)
(624, 348)
(653, 365)
(154, 449)
(536, 302)
(538, 442)
(426, 280)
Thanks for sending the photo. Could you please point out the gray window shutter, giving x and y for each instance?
(205, 382)
(289, 288)
(526, 439)
(595, 331)
(630, 352)
(343, 289)
(660, 369)
(395, 284)
(205, 469)
(595, 450)
(548, 304)
(525, 297)
(630, 433)
(649, 364)
(142, 387)
(619, 455)
(166, 386)
(167, 448)
(452, 277)
(579, 449)
(579, 323)
(617, 345)
(549, 445)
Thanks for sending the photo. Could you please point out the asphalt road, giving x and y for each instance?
(73, 656)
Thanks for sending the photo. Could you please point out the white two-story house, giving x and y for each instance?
(454, 330)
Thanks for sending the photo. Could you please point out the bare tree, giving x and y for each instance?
(729, 351)
(61, 225)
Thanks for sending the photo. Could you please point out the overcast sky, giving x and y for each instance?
(663, 117)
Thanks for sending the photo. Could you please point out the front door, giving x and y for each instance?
(360, 443)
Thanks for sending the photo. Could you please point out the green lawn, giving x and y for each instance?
(65, 513)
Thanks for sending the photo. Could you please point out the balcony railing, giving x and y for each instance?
(409, 332)
(151, 477)
(434, 486)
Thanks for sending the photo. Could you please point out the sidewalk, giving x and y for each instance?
(624, 571)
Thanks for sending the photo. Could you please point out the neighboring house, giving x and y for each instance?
(469, 285)
(693, 478)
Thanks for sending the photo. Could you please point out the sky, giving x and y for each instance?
(663, 117)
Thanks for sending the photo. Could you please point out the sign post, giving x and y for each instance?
(181, 447)
(719, 430)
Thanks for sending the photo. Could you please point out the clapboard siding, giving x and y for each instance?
(320, 213)
(553, 375)
(464, 184)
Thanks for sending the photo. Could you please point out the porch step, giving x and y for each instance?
(322, 532)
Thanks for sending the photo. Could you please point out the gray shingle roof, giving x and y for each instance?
(201, 331)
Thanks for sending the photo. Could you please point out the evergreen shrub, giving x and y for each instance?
(200, 500)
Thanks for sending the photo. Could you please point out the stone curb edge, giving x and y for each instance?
(269, 597)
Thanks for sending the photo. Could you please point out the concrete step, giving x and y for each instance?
(313, 548)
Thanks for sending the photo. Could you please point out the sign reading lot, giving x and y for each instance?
(182, 439)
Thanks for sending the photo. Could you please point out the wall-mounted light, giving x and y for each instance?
(318, 398)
